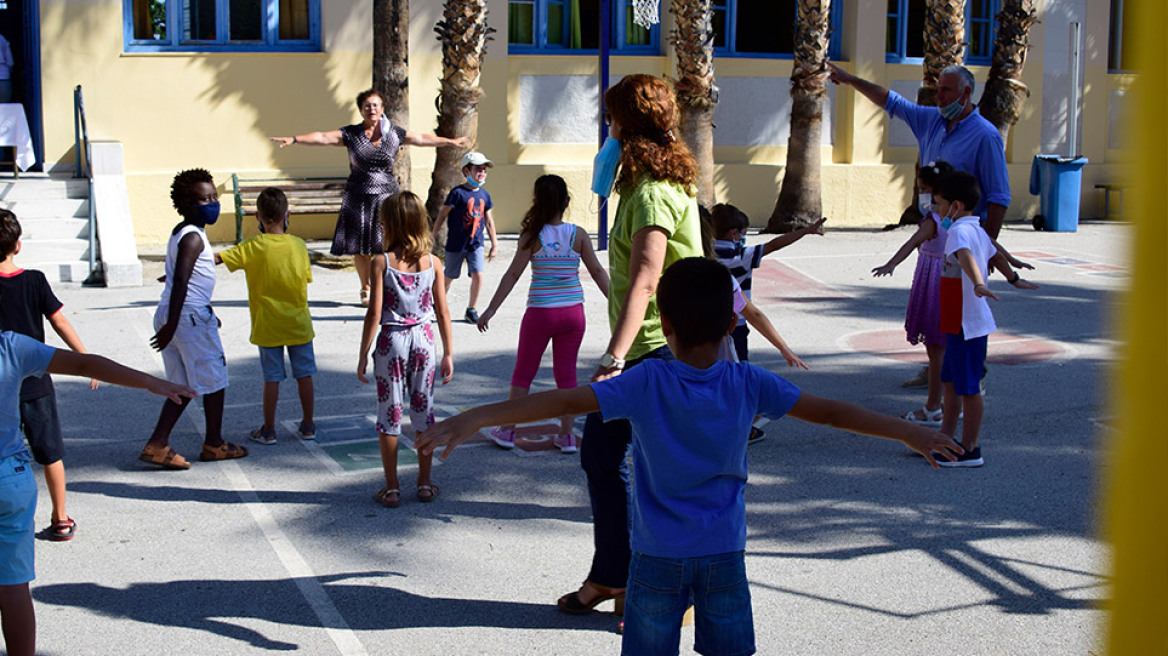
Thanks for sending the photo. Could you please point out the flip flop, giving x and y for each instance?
(431, 490)
(60, 531)
(225, 451)
(164, 457)
(263, 435)
(383, 495)
(307, 431)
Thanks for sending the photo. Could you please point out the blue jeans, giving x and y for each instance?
(660, 589)
(602, 457)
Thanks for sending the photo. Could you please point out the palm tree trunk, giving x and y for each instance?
(463, 33)
(1004, 94)
(697, 95)
(800, 200)
(391, 71)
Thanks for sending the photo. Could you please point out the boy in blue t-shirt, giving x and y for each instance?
(689, 511)
(22, 357)
(469, 207)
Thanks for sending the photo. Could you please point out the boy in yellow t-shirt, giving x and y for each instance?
(278, 273)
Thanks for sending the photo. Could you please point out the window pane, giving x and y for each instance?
(719, 21)
(198, 20)
(588, 14)
(635, 35)
(294, 20)
(890, 44)
(149, 20)
(915, 34)
(245, 20)
(765, 27)
(555, 24)
(521, 23)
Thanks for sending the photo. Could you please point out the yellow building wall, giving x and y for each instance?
(178, 110)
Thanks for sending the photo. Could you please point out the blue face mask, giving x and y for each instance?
(952, 110)
(604, 167)
(946, 222)
(206, 214)
(475, 183)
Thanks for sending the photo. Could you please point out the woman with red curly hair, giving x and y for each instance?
(656, 224)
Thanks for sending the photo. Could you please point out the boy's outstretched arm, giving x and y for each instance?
(65, 331)
(763, 325)
(783, 241)
(545, 405)
(96, 366)
(853, 418)
(973, 272)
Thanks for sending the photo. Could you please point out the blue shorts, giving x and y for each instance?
(475, 262)
(659, 591)
(963, 363)
(18, 499)
(42, 427)
(272, 362)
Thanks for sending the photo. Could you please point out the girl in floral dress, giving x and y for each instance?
(407, 296)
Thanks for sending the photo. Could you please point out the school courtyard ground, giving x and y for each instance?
(855, 546)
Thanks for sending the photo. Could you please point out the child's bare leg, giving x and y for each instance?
(213, 417)
(476, 284)
(425, 464)
(974, 406)
(952, 408)
(361, 263)
(271, 398)
(448, 281)
(18, 619)
(171, 411)
(566, 424)
(936, 354)
(307, 399)
(388, 444)
(55, 481)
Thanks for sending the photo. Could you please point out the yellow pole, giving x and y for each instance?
(1137, 519)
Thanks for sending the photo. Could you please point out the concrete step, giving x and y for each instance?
(42, 229)
(34, 254)
(56, 272)
(43, 188)
(47, 208)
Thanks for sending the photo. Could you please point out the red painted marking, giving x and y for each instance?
(1099, 267)
(775, 281)
(1033, 254)
(1003, 349)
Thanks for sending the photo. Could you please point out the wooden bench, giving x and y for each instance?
(305, 196)
(1107, 190)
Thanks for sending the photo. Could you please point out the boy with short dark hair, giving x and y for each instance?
(22, 357)
(966, 318)
(278, 272)
(688, 511)
(26, 302)
(468, 207)
(730, 226)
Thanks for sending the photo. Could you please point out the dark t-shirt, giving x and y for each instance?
(26, 301)
(464, 225)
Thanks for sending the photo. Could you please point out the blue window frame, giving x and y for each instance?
(750, 28)
(573, 27)
(905, 27)
(221, 25)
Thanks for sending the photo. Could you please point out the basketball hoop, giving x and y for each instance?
(645, 13)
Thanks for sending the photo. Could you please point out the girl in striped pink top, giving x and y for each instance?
(555, 302)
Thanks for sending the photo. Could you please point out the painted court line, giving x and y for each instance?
(294, 564)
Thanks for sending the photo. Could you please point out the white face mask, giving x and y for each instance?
(925, 203)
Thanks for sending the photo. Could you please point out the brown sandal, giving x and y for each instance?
(225, 451)
(572, 604)
(427, 493)
(164, 457)
(383, 497)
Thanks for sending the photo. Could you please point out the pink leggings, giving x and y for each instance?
(564, 327)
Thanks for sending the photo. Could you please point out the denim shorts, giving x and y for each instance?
(659, 591)
(18, 499)
(475, 262)
(42, 427)
(963, 363)
(194, 357)
(272, 362)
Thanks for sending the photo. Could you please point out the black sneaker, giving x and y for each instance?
(756, 436)
(967, 459)
(472, 315)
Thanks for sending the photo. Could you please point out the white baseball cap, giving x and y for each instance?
(475, 158)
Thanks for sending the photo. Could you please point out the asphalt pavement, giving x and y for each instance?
(855, 546)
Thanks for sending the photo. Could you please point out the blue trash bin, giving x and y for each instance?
(1057, 181)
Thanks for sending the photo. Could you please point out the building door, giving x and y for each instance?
(20, 25)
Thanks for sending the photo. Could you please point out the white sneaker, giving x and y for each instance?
(505, 438)
(566, 443)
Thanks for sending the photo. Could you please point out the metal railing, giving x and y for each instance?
(81, 149)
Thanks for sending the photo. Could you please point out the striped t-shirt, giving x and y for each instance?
(555, 269)
(742, 261)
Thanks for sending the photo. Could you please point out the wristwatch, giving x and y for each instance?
(610, 361)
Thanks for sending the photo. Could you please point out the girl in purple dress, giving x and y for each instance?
(923, 319)
(407, 297)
